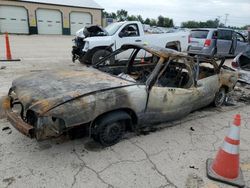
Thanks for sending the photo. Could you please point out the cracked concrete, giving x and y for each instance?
(169, 157)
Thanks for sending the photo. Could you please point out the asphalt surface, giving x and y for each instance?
(173, 155)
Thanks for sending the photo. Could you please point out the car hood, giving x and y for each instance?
(44, 91)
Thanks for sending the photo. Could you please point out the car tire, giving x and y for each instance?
(109, 129)
(110, 133)
(220, 97)
(99, 54)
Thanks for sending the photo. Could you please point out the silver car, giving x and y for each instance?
(210, 42)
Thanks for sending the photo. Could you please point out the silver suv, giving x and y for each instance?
(210, 42)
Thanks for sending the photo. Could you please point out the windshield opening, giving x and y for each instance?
(113, 28)
(131, 64)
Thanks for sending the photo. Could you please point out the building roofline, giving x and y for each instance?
(59, 5)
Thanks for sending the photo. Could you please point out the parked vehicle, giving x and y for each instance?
(92, 43)
(241, 64)
(210, 42)
(110, 99)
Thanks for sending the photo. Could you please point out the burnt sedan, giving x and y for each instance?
(154, 85)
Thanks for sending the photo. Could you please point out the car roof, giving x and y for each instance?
(209, 29)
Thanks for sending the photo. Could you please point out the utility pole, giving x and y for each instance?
(226, 18)
(218, 17)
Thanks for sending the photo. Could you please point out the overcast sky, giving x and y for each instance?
(183, 10)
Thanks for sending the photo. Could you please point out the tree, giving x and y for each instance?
(245, 27)
(153, 22)
(161, 21)
(165, 22)
(132, 18)
(209, 24)
(147, 21)
(122, 15)
(109, 15)
(140, 19)
(168, 22)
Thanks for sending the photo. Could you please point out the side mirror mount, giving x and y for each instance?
(121, 34)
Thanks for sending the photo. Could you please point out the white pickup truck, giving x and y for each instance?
(93, 43)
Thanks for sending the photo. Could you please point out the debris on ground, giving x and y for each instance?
(194, 181)
(241, 93)
(7, 130)
(193, 167)
(192, 129)
(3, 67)
(9, 181)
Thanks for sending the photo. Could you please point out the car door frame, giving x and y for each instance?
(161, 114)
(241, 45)
(129, 39)
(224, 46)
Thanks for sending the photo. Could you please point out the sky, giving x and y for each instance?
(183, 10)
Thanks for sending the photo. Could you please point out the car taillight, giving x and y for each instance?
(207, 42)
(189, 39)
(235, 64)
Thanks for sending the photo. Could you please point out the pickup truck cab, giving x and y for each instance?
(93, 43)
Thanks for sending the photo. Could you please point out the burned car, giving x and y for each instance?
(111, 99)
(241, 64)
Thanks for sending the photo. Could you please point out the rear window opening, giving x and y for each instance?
(199, 34)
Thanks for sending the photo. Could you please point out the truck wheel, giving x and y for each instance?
(83, 60)
(99, 54)
(220, 97)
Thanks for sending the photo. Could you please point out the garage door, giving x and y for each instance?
(13, 20)
(49, 21)
(79, 20)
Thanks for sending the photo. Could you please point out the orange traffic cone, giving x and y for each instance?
(7, 45)
(8, 51)
(225, 167)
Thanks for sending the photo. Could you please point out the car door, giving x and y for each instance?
(241, 43)
(224, 42)
(166, 103)
(171, 97)
(129, 34)
(206, 90)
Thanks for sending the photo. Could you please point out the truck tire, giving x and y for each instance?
(99, 54)
(84, 60)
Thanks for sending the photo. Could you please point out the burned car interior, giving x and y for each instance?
(178, 71)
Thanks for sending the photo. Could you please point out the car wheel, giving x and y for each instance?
(110, 132)
(220, 97)
(99, 54)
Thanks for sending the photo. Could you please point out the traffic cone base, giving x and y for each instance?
(239, 181)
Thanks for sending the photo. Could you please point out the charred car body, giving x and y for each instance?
(241, 64)
(113, 98)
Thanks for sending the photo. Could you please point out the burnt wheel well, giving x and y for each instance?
(175, 45)
(226, 88)
(130, 112)
(101, 48)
